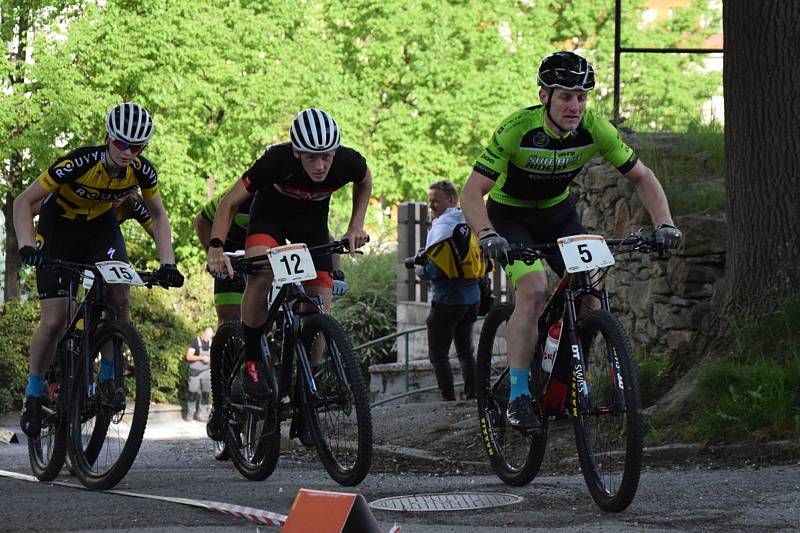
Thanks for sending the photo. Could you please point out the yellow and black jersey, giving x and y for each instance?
(83, 188)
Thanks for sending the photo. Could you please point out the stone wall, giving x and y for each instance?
(661, 302)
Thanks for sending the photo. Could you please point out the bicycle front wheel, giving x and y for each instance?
(608, 425)
(250, 428)
(107, 419)
(338, 414)
(47, 451)
(515, 456)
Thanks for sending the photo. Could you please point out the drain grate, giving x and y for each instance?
(453, 501)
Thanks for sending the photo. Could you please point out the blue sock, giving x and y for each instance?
(106, 370)
(35, 384)
(519, 383)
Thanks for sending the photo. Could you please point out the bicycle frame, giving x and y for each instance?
(562, 305)
(80, 323)
(283, 313)
(573, 288)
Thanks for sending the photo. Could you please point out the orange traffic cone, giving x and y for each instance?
(322, 511)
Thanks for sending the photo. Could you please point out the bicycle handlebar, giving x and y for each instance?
(247, 265)
(148, 277)
(637, 243)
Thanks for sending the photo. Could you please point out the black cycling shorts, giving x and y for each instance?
(529, 226)
(81, 241)
(310, 228)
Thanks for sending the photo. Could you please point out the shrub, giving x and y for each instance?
(368, 309)
(756, 392)
(167, 321)
(17, 322)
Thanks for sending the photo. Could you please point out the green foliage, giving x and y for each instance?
(367, 311)
(168, 321)
(756, 393)
(653, 377)
(419, 100)
(690, 167)
(758, 400)
(17, 322)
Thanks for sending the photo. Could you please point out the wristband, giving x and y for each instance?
(215, 243)
(485, 229)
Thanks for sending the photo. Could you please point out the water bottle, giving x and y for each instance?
(551, 347)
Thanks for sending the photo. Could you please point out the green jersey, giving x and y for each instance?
(533, 167)
(238, 230)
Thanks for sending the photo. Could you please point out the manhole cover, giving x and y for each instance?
(453, 501)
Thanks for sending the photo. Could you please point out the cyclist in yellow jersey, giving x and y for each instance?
(77, 223)
(526, 170)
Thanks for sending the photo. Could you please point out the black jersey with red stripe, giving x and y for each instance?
(279, 176)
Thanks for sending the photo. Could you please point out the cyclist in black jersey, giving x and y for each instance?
(526, 170)
(292, 183)
(77, 222)
(228, 292)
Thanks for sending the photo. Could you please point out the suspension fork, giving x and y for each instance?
(579, 391)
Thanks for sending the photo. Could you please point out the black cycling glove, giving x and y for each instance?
(31, 256)
(168, 273)
(668, 236)
(494, 246)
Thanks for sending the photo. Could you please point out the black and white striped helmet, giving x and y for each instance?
(129, 123)
(566, 70)
(315, 131)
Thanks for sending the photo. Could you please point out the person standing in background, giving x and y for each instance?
(199, 357)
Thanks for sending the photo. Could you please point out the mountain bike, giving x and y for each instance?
(314, 375)
(594, 378)
(97, 425)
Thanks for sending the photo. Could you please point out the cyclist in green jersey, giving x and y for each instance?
(526, 170)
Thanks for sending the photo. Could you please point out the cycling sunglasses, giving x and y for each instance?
(122, 146)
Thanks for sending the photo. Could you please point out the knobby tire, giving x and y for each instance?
(338, 416)
(609, 428)
(116, 424)
(251, 436)
(515, 456)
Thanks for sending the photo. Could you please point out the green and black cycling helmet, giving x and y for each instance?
(566, 70)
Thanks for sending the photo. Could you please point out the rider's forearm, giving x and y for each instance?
(222, 220)
(23, 223)
(162, 234)
(654, 199)
(474, 208)
(203, 229)
(361, 195)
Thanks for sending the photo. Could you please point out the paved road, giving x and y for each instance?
(176, 460)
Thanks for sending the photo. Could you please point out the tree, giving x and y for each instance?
(762, 111)
(20, 22)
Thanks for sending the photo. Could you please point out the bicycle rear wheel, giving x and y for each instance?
(609, 426)
(107, 420)
(48, 450)
(250, 429)
(338, 415)
(515, 456)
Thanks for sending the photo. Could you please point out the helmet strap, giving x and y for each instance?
(550, 116)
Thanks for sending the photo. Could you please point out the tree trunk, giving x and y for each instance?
(762, 111)
(11, 277)
(13, 169)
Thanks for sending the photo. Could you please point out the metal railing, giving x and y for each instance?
(406, 333)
